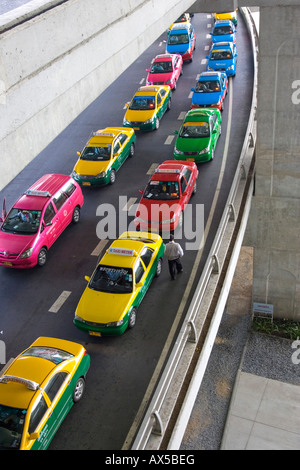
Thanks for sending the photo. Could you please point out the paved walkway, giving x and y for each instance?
(264, 415)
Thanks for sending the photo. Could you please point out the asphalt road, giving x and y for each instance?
(121, 368)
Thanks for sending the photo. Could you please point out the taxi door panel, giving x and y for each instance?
(50, 226)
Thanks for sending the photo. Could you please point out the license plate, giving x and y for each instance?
(136, 128)
(190, 159)
(6, 263)
(94, 333)
(86, 183)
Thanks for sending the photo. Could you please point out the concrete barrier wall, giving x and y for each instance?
(55, 64)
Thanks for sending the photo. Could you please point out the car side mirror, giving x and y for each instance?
(139, 284)
(1, 220)
(127, 104)
(87, 278)
(175, 132)
(78, 153)
(147, 70)
(192, 89)
(140, 191)
(34, 435)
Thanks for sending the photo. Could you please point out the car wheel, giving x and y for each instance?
(156, 123)
(195, 188)
(132, 318)
(42, 257)
(76, 215)
(175, 85)
(78, 390)
(212, 154)
(158, 268)
(169, 104)
(112, 177)
(131, 153)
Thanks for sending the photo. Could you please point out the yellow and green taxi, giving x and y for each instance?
(147, 107)
(37, 390)
(109, 303)
(103, 155)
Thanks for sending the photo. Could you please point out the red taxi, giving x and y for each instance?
(165, 70)
(165, 197)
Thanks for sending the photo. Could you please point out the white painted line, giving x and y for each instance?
(142, 81)
(190, 95)
(99, 248)
(129, 204)
(169, 139)
(208, 36)
(198, 76)
(152, 168)
(160, 44)
(203, 61)
(181, 115)
(60, 301)
(206, 48)
(208, 16)
(209, 25)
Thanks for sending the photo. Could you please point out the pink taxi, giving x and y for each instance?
(37, 219)
(165, 70)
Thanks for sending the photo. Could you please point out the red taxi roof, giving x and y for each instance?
(170, 170)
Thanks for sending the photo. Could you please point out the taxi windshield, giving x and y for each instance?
(175, 39)
(208, 86)
(112, 279)
(161, 67)
(141, 103)
(95, 154)
(162, 190)
(220, 30)
(195, 130)
(51, 354)
(22, 222)
(221, 54)
(11, 427)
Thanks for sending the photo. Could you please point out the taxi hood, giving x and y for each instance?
(14, 243)
(157, 210)
(103, 307)
(86, 167)
(206, 98)
(139, 115)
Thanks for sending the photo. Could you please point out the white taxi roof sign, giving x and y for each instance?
(104, 134)
(36, 192)
(12, 378)
(167, 170)
(120, 251)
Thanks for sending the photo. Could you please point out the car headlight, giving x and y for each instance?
(209, 68)
(178, 152)
(126, 123)
(101, 175)
(204, 150)
(216, 104)
(74, 174)
(231, 67)
(168, 81)
(79, 318)
(149, 121)
(115, 323)
(148, 82)
(27, 253)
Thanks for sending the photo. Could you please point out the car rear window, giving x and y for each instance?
(51, 354)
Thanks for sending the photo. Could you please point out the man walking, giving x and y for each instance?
(173, 253)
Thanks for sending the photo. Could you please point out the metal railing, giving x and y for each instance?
(169, 409)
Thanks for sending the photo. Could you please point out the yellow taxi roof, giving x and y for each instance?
(16, 394)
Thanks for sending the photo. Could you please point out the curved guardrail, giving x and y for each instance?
(169, 409)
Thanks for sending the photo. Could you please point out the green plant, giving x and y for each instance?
(277, 327)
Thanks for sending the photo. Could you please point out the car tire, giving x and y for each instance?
(195, 188)
(132, 150)
(132, 318)
(169, 105)
(42, 257)
(78, 390)
(212, 154)
(158, 268)
(156, 123)
(76, 215)
(112, 177)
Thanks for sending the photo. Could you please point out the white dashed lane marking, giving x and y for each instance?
(60, 301)
(99, 248)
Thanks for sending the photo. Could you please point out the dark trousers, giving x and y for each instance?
(174, 266)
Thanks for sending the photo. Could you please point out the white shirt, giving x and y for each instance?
(173, 250)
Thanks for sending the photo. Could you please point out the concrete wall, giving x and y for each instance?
(55, 64)
(274, 223)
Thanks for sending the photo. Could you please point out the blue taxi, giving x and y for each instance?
(223, 30)
(222, 58)
(182, 40)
